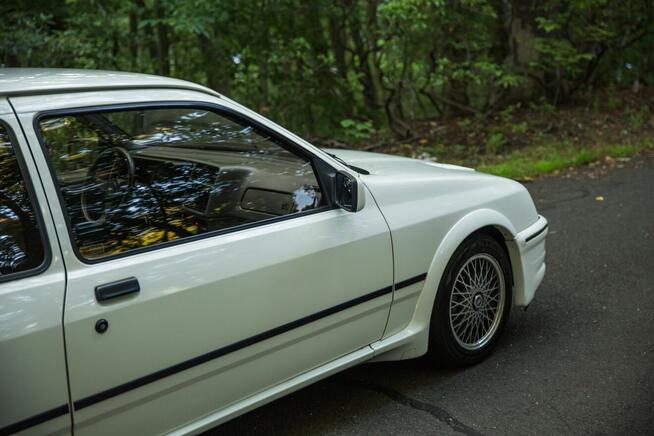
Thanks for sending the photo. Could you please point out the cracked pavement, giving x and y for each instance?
(579, 361)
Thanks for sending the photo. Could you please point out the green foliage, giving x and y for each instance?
(494, 142)
(560, 53)
(506, 115)
(311, 65)
(464, 123)
(542, 106)
(555, 156)
(357, 130)
(638, 117)
(613, 100)
(520, 127)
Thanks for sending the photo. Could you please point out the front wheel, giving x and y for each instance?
(472, 303)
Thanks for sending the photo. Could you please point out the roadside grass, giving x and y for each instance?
(522, 142)
(529, 162)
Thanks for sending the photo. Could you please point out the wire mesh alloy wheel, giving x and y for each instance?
(477, 301)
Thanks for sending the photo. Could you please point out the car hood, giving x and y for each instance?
(385, 164)
(402, 187)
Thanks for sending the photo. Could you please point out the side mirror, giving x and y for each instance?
(349, 193)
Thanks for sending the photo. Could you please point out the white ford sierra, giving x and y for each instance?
(170, 259)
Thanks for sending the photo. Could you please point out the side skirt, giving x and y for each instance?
(275, 392)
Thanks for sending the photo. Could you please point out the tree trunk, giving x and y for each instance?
(163, 47)
(213, 60)
(338, 44)
(10, 59)
(149, 33)
(363, 64)
(133, 38)
(513, 45)
(338, 47)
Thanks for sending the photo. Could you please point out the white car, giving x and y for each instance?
(170, 259)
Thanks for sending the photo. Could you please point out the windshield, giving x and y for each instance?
(182, 127)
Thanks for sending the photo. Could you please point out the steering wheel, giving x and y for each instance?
(111, 177)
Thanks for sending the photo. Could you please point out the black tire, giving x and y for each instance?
(444, 347)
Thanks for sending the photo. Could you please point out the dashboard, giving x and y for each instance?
(179, 193)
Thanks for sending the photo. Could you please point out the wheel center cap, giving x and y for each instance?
(477, 301)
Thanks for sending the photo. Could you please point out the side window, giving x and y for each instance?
(21, 248)
(137, 178)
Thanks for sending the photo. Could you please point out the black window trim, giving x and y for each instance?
(319, 166)
(31, 194)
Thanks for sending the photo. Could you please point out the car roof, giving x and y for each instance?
(30, 81)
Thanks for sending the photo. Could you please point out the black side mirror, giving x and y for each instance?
(346, 191)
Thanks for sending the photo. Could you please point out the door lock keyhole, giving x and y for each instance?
(101, 326)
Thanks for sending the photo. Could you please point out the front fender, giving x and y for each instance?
(413, 340)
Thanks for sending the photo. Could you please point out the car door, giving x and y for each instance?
(33, 390)
(202, 273)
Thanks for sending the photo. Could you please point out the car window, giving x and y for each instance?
(21, 247)
(137, 178)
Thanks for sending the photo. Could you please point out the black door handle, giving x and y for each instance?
(117, 289)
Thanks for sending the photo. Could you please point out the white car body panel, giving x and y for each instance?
(197, 304)
(39, 81)
(460, 202)
(30, 326)
(413, 217)
(276, 392)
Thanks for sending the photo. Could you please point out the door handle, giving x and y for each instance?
(117, 289)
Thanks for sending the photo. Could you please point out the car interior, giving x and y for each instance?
(131, 179)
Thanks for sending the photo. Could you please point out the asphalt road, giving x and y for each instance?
(580, 360)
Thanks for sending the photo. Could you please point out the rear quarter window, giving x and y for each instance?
(21, 246)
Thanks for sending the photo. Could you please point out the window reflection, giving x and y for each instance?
(21, 248)
(137, 178)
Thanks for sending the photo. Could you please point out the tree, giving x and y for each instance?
(377, 63)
